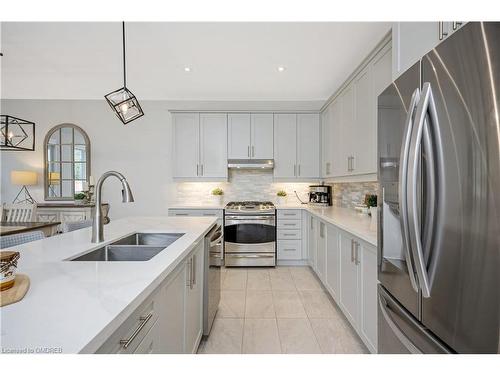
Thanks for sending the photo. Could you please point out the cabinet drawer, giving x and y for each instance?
(289, 224)
(289, 214)
(290, 249)
(134, 329)
(189, 212)
(289, 234)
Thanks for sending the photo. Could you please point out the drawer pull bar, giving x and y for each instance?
(144, 320)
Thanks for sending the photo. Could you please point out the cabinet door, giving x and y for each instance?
(321, 256)
(349, 299)
(186, 144)
(308, 145)
(150, 342)
(238, 135)
(364, 140)
(213, 145)
(171, 315)
(285, 145)
(332, 261)
(344, 142)
(194, 300)
(329, 119)
(367, 256)
(411, 41)
(313, 240)
(338, 164)
(262, 136)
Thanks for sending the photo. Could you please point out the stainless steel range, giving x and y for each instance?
(250, 234)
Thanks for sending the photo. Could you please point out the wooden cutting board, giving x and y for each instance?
(17, 292)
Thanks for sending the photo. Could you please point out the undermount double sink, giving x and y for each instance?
(137, 247)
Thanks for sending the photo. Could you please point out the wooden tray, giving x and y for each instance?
(17, 292)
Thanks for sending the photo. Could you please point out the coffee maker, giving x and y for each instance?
(320, 195)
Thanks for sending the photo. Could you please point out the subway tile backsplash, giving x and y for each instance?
(259, 185)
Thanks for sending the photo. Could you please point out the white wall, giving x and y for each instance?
(140, 150)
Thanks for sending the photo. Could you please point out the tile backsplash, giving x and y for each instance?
(243, 185)
(349, 194)
(259, 185)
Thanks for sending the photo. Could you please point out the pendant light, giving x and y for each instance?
(16, 134)
(122, 101)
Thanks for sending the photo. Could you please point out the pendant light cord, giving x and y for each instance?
(124, 67)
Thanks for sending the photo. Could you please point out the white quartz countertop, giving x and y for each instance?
(75, 306)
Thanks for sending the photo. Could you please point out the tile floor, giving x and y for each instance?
(278, 310)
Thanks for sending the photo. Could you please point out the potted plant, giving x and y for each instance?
(218, 195)
(281, 197)
(80, 198)
(371, 203)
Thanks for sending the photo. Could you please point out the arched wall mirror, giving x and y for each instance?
(67, 162)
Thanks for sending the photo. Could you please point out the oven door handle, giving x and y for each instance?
(262, 217)
(251, 255)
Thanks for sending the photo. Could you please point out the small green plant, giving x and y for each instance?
(80, 196)
(371, 200)
(281, 193)
(217, 191)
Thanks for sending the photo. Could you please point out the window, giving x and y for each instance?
(67, 162)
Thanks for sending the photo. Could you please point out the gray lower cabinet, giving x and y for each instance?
(347, 267)
(194, 300)
(169, 321)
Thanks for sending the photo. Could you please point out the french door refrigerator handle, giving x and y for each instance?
(425, 106)
(403, 186)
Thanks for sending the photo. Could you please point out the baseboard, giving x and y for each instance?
(285, 262)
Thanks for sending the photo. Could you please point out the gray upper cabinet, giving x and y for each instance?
(296, 146)
(412, 40)
(250, 136)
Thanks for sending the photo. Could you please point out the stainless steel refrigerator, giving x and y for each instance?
(439, 174)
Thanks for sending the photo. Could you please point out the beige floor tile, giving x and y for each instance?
(287, 304)
(232, 304)
(260, 336)
(305, 280)
(351, 343)
(235, 279)
(281, 280)
(259, 304)
(297, 337)
(225, 337)
(329, 333)
(258, 280)
(317, 304)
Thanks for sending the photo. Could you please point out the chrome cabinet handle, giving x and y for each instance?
(456, 25)
(248, 151)
(356, 252)
(288, 225)
(189, 270)
(288, 249)
(144, 320)
(193, 271)
(425, 106)
(285, 214)
(403, 186)
(253, 151)
(441, 33)
(352, 251)
(181, 214)
(289, 235)
(251, 256)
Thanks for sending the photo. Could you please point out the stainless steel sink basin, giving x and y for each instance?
(138, 247)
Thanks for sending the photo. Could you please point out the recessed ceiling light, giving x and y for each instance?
(187, 69)
(281, 69)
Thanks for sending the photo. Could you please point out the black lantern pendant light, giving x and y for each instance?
(122, 101)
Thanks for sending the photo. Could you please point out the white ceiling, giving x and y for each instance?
(229, 61)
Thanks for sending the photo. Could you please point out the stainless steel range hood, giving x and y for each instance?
(250, 163)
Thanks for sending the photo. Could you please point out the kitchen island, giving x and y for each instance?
(76, 306)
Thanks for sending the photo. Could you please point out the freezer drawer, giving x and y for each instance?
(400, 333)
(250, 260)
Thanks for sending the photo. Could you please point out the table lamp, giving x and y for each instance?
(24, 178)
